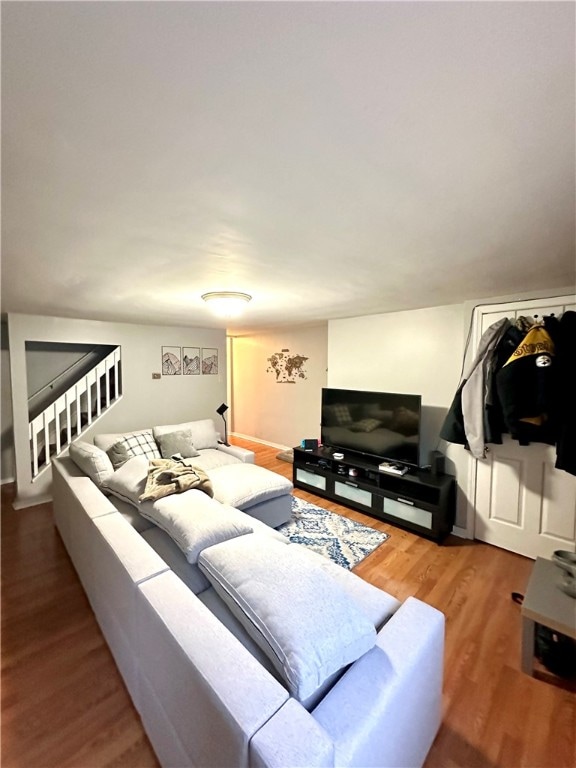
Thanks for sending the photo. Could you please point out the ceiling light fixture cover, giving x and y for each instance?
(226, 303)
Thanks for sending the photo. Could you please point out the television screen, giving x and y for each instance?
(385, 425)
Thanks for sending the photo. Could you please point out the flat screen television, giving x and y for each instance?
(383, 425)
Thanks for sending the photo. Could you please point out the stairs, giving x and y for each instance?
(64, 420)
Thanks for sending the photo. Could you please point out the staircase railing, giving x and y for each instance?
(64, 420)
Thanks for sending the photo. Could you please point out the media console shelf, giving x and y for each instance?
(418, 501)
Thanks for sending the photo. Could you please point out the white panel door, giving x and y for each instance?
(522, 503)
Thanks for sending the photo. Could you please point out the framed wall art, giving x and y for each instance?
(209, 361)
(171, 361)
(191, 361)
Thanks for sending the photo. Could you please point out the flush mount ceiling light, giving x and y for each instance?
(226, 303)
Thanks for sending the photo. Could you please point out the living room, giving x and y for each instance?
(430, 186)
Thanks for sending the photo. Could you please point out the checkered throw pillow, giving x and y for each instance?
(140, 444)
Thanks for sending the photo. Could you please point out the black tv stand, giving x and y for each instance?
(418, 501)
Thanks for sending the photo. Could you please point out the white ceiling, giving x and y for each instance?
(331, 159)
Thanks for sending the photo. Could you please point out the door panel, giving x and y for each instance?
(522, 503)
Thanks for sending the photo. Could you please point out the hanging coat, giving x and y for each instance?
(526, 386)
(566, 398)
(464, 422)
(494, 425)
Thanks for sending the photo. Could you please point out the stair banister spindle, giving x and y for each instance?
(78, 393)
(70, 396)
(98, 391)
(57, 426)
(107, 366)
(34, 436)
(116, 373)
(48, 419)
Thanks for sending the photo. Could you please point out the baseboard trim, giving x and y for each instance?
(259, 440)
(462, 533)
(31, 501)
(6, 480)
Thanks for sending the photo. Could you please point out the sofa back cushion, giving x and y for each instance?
(203, 432)
(309, 627)
(92, 461)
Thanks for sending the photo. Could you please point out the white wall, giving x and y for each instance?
(278, 413)
(44, 365)
(415, 352)
(6, 437)
(146, 401)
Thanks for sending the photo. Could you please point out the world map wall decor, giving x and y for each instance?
(287, 368)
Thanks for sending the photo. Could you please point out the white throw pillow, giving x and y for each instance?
(92, 461)
(308, 626)
(129, 481)
(203, 432)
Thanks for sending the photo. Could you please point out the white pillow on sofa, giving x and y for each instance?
(92, 461)
(129, 480)
(308, 626)
(203, 432)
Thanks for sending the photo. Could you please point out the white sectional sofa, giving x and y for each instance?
(226, 652)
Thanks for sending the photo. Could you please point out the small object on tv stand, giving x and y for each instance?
(436, 463)
(393, 469)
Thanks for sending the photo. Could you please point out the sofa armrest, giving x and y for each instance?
(291, 738)
(243, 454)
(386, 709)
(203, 695)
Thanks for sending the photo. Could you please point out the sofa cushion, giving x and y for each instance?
(135, 444)
(211, 458)
(303, 620)
(378, 605)
(244, 485)
(195, 521)
(192, 519)
(177, 442)
(173, 556)
(129, 480)
(203, 432)
(130, 513)
(92, 461)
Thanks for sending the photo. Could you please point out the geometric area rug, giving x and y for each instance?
(344, 541)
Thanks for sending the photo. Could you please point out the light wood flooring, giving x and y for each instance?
(64, 704)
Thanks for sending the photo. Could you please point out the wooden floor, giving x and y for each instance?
(64, 704)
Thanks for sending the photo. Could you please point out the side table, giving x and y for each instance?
(545, 603)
